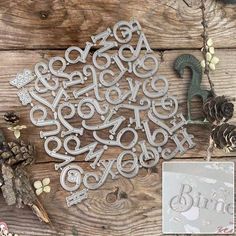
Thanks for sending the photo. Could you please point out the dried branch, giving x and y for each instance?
(205, 39)
(14, 181)
(210, 149)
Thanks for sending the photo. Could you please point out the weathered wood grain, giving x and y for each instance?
(59, 24)
(223, 78)
(120, 207)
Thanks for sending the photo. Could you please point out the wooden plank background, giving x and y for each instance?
(34, 30)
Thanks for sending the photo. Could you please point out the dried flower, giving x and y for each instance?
(203, 63)
(42, 186)
(16, 129)
(208, 56)
(13, 120)
(215, 60)
(211, 50)
(212, 66)
(209, 42)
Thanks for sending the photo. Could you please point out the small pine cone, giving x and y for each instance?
(16, 152)
(224, 136)
(11, 118)
(218, 109)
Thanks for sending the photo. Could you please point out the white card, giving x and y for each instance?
(198, 197)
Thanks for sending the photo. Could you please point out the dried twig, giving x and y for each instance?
(205, 39)
(207, 70)
(210, 149)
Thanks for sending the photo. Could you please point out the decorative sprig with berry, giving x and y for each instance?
(217, 109)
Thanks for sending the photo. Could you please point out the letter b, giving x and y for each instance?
(184, 201)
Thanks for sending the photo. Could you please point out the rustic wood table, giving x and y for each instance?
(34, 30)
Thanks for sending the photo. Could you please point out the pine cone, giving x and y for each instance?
(16, 152)
(224, 136)
(218, 109)
(11, 118)
(5, 152)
